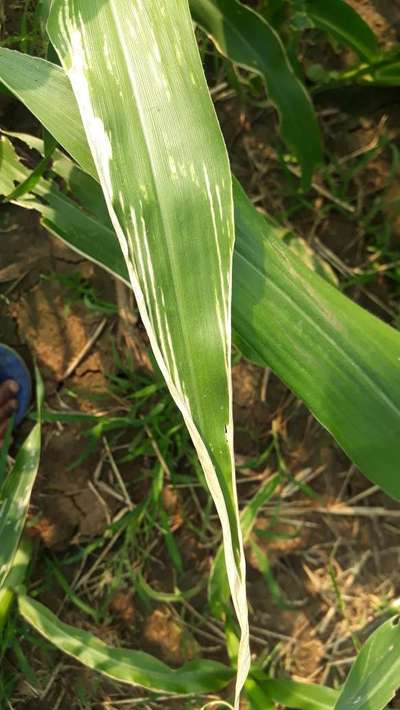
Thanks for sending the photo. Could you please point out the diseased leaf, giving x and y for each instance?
(137, 76)
(243, 36)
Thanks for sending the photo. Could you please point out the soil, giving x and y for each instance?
(313, 547)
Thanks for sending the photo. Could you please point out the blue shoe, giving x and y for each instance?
(12, 367)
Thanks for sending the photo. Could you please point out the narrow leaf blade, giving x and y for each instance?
(296, 695)
(344, 23)
(247, 39)
(342, 361)
(41, 84)
(123, 665)
(375, 675)
(16, 492)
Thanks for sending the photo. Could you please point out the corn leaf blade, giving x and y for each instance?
(291, 694)
(163, 167)
(375, 675)
(15, 578)
(342, 361)
(123, 665)
(245, 38)
(41, 84)
(16, 492)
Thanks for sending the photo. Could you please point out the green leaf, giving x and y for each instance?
(123, 665)
(258, 697)
(33, 177)
(345, 24)
(16, 491)
(387, 74)
(40, 84)
(375, 675)
(342, 361)
(291, 694)
(62, 216)
(247, 39)
(163, 167)
(218, 588)
(15, 578)
(311, 258)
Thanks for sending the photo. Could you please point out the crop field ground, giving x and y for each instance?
(124, 528)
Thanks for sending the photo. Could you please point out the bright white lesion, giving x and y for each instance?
(218, 193)
(193, 175)
(221, 295)
(172, 166)
(178, 54)
(144, 191)
(108, 56)
(99, 140)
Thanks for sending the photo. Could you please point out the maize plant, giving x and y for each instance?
(131, 112)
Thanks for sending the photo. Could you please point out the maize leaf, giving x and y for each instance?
(289, 693)
(124, 665)
(342, 361)
(16, 492)
(42, 84)
(375, 675)
(245, 38)
(163, 167)
(258, 697)
(15, 578)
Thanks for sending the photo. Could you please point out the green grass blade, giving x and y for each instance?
(123, 665)
(247, 39)
(349, 378)
(375, 675)
(163, 167)
(16, 492)
(339, 19)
